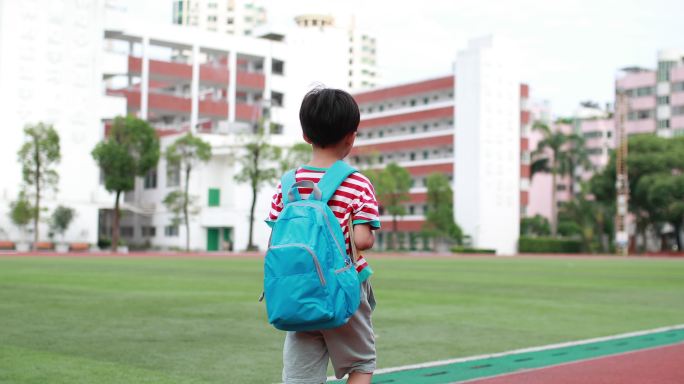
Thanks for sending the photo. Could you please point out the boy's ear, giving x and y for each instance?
(308, 141)
(349, 139)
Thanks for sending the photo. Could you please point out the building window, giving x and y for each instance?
(413, 129)
(278, 67)
(678, 87)
(663, 124)
(663, 100)
(411, 209)
(664, 70)
(592, 134)
(641, 91)
(381, 133)
(211, 19)
(214, 197)
(425, 127)
(229, 21)
(151, 179)
(595, 151)
(149, 231)
(277, 99)
(172, 175)
(560, 187)
(171, 231)
(678, 110)
(426, 154)
(426, 100)
(640, 114)
(413, 103)
(126, 231)
(413, 156)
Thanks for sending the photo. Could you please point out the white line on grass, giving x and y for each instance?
(523, 350)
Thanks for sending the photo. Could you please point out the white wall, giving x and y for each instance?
(487, 144)
(50, 52)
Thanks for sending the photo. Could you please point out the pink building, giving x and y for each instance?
(655, 97)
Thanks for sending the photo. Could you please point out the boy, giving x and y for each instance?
(329, 119)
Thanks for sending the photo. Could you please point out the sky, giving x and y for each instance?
(570, 50)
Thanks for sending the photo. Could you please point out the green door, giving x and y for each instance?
(227, 239)
(212, 239)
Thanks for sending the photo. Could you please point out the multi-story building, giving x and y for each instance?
(655, 97)
(413, 124)
(51, 63)
(363, 71)
(222, 88)
(234, 17)
(361, 59)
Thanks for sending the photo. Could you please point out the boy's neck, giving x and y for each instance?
(326, 157)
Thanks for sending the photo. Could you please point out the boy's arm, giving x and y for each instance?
(363, 237)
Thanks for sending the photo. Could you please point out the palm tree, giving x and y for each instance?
(574, 155)
(547, 158)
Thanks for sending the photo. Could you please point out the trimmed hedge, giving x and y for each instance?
(548, 245)
(471, 250)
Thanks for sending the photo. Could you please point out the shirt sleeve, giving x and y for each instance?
(276, 207)
(365, 206)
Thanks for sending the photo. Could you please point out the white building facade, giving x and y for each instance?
(234, 17)
(487, 145)
(51, 62)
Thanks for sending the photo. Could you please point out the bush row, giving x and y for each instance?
(548, 245)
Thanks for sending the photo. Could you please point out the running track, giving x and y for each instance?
(662, 365)
(653, 356)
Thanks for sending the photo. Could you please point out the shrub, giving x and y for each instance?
(460, 249)
(104, 243)
(548, 245)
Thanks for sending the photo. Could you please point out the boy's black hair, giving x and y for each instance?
(327, 115)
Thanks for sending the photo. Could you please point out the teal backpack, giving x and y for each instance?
(310, 282)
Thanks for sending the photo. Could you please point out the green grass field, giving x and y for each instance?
(173, 320)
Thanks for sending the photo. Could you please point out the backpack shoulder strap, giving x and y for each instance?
(286, 183)
(333, 177)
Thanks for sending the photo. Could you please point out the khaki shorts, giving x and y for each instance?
(350, 347)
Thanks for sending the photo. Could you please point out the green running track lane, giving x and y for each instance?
(469, 369)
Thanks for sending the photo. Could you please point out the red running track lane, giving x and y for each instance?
(663, 365)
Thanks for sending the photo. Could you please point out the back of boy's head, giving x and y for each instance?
(328, 115)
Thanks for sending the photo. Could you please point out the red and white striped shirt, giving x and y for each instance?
(355, 197)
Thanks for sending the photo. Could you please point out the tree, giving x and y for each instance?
(440, 215)
(186, 152)
(391, 187)
(61, 219)
(587, 219)
(130, 150)
(295, 156)
(558, 154)
(574, 155)
(257, 162)
(537, 225)
(21, 212)
(664, 194)
(651, 163)
(39, 154)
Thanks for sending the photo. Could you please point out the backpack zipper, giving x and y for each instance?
(313, 255)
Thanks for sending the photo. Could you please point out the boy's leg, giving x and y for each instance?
(359, 378)
(305, 358)
(352, 346)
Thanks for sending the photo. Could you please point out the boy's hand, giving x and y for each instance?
(363, 237)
